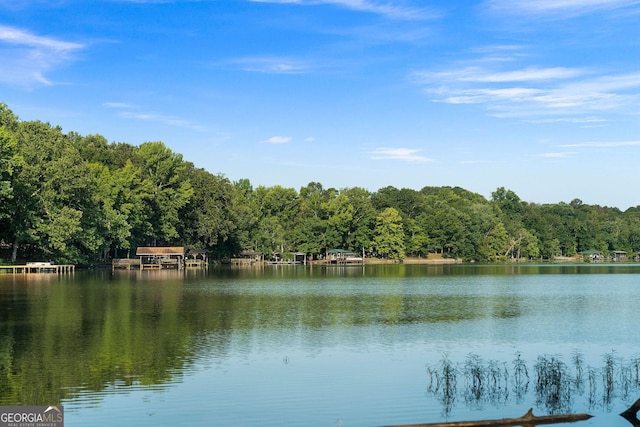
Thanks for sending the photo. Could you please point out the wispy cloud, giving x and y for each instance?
(534, 92)
(572, 7)
(122, 105)
(587, 121)
(482, 75)
(271, 65)
(279, 139)
(558, 155)
(24, 4)
(130, 111)
(389, 9)
(471, 162)
(529, 74)
(155, 1)
(404, 154)
(27, 57)
(601, 144)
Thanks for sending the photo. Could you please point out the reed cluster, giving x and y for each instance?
(553, 384)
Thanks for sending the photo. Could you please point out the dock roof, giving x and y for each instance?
(160, 250)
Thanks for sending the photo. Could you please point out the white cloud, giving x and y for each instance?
(560, 6)
(279, 140)
(404, 154)
(27, 58)
(480, 96)
(472, 162)
(601, 144)
(130, 111)
(482, 75)
(386, 8)
(271, 65)
(155, 1)
(594, 121)
(523, 75)
(558, 155)
(118, 105)
(19, 37)
(570, 94)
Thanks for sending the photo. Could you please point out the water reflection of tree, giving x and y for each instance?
(91, 337)
(555, 383)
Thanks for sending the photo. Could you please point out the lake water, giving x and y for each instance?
(323, 346)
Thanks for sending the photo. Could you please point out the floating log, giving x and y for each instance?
(631, 414)
(527, 419)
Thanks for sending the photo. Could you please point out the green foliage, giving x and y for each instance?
(389, 235)
(494, 244)
(209, 220)
(81, 199)
(167, 190)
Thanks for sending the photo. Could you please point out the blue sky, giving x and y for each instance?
(539, 96)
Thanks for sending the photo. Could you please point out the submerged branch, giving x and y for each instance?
(530, 420)
(631, 414)
(527, 419)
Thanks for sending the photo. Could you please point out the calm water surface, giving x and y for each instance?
(300, 346)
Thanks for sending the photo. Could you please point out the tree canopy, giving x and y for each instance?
(80, 199)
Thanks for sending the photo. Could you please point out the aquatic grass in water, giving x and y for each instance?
(556, 383)
(443, 383)
(608, 376)
(578, 365)
(485, 382)
(520, 377)
(553, 384)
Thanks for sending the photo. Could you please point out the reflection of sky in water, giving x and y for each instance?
(360, 388)
(356, 349)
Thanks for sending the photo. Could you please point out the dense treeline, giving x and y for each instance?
(80, 199)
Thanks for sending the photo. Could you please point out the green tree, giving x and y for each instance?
(10, 160)
(389, 235)
(277, 207)
(522, 244)
(120, 196)
(445, 221)
(53, 205)
(509, 203)
(495, 244)
(167, 191)
(339, 220)
(246, 217)
(310, 230)
(363, 218)
(209, 220)
(417, 240)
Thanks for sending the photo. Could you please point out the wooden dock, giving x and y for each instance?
(38, 267)
(196, 263)
(137, 264)
(126, 263)
(162, 258)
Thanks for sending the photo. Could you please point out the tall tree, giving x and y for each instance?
(246, 217)
(10, 160)
(52, 204)
(165, 180)
(310, 235)
(494, 245)
(340, 218)
(389, 235)
(277, 208)
(209, 220)
(362, 219)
